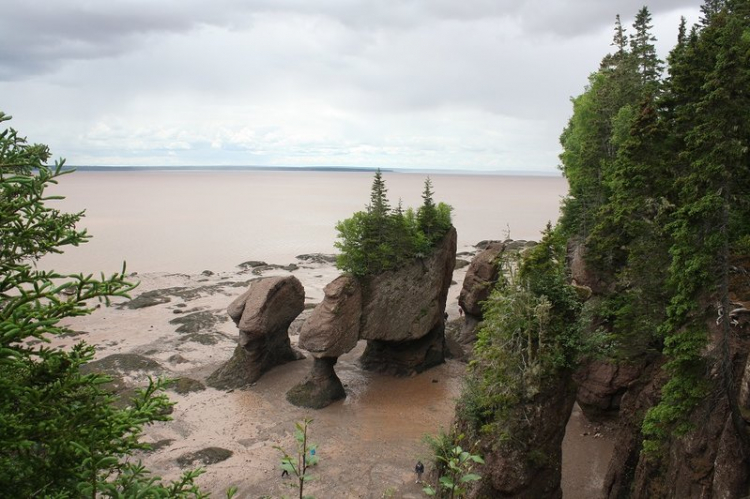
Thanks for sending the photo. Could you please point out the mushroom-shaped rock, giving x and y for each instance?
(407, 303)
(403, 313)
(263, 314)
(333, 328)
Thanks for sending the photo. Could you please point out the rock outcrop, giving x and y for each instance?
(263, 315)
(602, 384)
(480, 278)
(711, 460)
(399, 312)
(533, 469)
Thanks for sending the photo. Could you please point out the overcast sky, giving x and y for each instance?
(433, 84)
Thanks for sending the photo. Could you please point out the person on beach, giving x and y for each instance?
(419, 469)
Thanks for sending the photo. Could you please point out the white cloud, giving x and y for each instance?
(420, 83)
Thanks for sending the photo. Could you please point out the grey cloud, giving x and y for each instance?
(37, 37)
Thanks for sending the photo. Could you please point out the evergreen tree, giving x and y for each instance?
(381, 239)
(643, 50)
(60, 434)
(427, 214)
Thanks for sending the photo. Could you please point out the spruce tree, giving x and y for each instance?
(60, 433)
(643, 50)
(427, 214)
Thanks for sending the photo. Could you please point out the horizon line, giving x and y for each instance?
(343, 169)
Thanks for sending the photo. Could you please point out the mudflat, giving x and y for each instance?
(368, 443)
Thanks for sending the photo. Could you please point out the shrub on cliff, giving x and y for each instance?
(529, 335)
(381, 238)
(60, 434)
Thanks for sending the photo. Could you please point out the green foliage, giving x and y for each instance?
(60, 434)
(305, 456)
(382, 238)
(659, 173)
(529, 335)
(454, 465)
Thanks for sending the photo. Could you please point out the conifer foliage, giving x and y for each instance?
(60, 434)
(381, 238)
(659, 194)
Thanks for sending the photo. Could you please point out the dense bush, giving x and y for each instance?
(381, 238)
(529, 334)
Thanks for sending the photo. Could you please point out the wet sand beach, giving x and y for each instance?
(368, 443)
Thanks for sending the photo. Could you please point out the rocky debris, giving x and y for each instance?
(160, 444)
(461, 263)
(263, 314)
(333, 327)
(121, 363)
(257, 267)
(252, 264)
(197, 322)
(320, 388)
(177, 359)
(184, 386)
(149, 299)
(533, 468)
(601, 385)
(518, 244)
(161, 296)
(209, 455)
(317, 258)
(483, 245)
(399, 312)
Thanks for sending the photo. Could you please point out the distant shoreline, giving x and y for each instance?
(336, 169)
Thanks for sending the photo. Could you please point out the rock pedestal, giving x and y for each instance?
(320, 388)
(405, 357)
(263, 314)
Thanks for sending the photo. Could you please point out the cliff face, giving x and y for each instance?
(711, 460)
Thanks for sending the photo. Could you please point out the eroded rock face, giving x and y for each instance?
(533, 471)
(406, 304)
(268, 305)
(711, 460)
(480, 278)
(581, 273)
(601, 385)
(263, 313)
(333, 328)
(402, 358)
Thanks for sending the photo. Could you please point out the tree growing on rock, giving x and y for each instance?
(381, 238)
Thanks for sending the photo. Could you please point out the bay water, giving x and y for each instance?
(189, 221)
